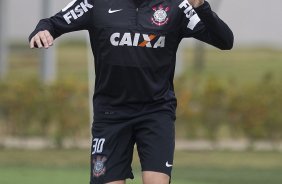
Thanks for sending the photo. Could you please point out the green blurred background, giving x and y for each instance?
(229, 120)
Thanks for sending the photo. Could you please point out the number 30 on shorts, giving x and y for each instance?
(98, 145)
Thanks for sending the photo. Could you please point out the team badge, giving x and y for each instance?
(99, 168)
(160, 16)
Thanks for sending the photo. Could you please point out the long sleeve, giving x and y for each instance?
(208, 27)
(74, 17)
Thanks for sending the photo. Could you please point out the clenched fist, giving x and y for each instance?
(42, 39)
(196, 3)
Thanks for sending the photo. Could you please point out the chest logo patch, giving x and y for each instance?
(160, 16)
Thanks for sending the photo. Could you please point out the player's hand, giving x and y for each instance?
(42, 39)
(196, 3)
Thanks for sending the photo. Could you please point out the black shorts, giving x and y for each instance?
(113, 144)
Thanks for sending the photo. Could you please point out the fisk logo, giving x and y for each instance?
(138, 40)
(190, 14)
(77, 12)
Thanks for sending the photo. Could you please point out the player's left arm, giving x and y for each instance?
(211, 29)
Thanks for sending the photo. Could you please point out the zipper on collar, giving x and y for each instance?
(137, 13)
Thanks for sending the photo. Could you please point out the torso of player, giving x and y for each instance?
(134, 49)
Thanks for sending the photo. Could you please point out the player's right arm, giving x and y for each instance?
(74, 17)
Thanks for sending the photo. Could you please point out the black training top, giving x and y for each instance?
(134, 45)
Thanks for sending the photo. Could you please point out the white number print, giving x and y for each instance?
(98, 145)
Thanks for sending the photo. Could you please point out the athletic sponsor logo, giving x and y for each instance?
(190, 14)
(114, 11)
(77, 12)
(99, 167)
(98, 145)
(137, 40)
(160, 15)
(168, 165)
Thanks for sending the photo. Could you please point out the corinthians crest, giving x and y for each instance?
(160, 15)
(99, 166)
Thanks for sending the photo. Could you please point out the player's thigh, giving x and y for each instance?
(117, 182)
(155, 139)
(150, 177)
(111, 152)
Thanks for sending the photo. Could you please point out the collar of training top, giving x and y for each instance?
(151, 14)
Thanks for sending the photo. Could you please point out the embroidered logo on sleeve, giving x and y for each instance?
(190, 14)
(77, 11)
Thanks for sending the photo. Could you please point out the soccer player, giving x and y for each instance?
(134, 43)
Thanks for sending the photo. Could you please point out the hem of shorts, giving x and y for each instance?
(156, 170)
(115, 179)
(118, 179)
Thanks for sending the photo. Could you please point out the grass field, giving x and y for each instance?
(71, 167)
